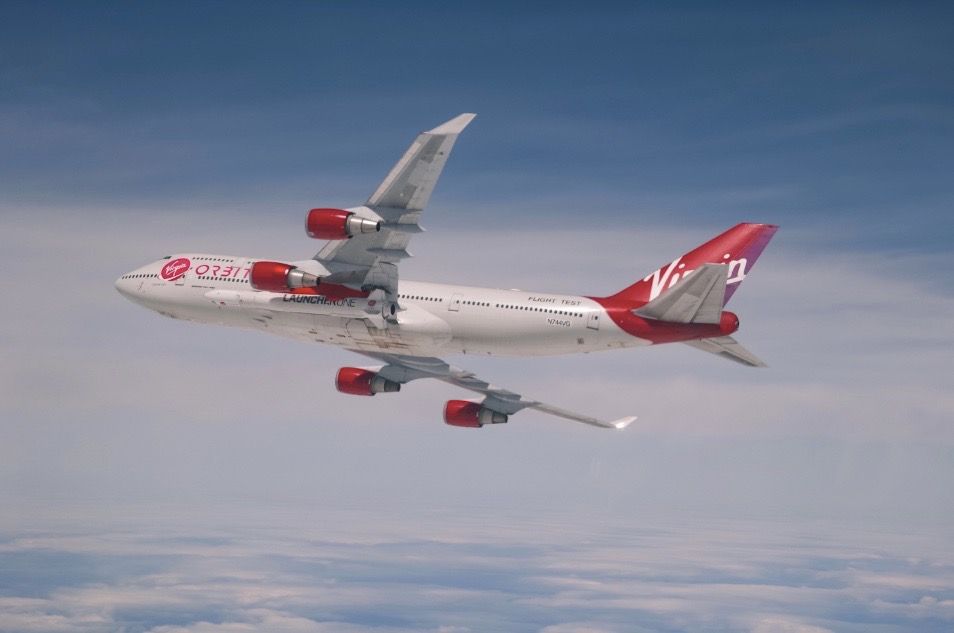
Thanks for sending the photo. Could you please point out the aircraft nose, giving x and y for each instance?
(122, 285)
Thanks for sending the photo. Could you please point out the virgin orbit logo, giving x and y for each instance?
(175, 269)
(663, 279)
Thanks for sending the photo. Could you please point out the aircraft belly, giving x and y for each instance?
(421, 331)
(511, 339)
(537, 335)
(415, 333)
(364, 335)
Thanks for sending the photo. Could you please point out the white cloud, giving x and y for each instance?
(783, 625)
(545, 573)
(925, 607)
(256, 620)
(578, 627)
(135, 406)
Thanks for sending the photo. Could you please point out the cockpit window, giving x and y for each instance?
(168, 257)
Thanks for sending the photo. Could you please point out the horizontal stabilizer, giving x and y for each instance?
(727, 347)
(697, 298)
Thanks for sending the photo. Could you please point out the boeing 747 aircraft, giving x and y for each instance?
(351, 294)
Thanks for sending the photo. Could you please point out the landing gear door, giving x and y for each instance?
(593, 320)
(454, 305)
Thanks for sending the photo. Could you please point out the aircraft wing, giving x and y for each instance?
(404, 369)
(727, 347)
(370, 259)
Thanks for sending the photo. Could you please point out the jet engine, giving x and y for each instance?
(471, 414)
(279, 277)
(363, 382)
(337, 224)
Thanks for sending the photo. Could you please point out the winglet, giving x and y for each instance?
(622, 423)
(455, 125)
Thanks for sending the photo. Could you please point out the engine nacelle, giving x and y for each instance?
(337, 224)
(279, 277)
(363, 382)
(471, 414)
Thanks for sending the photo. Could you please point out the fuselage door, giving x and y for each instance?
(454, 305)
(593, 320)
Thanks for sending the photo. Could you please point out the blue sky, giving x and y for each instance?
(837, 117)
(609, 139)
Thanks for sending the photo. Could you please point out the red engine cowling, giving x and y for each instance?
(279, 277)
(471, 414)
(363, 382)
(728, 323)
(337, 224)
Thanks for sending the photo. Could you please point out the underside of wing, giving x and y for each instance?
(502, 402)
(409, 184)
(397, 204)
(728, 348)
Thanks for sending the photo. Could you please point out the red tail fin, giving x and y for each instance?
(738, 247)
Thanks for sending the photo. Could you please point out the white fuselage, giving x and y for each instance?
(431, 319)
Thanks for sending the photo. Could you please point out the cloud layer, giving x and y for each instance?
(851, 420)
(335, 571)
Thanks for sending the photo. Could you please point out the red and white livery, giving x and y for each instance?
(351, 295)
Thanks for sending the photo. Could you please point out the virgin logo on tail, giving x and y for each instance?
(670, 275)
(175, 269)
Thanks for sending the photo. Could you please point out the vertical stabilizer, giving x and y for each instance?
(738, 248)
